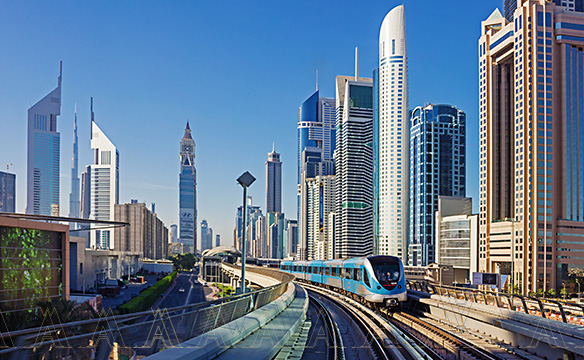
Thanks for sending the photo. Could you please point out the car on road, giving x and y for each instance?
(181, 290)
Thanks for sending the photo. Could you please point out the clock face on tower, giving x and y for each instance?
(186, 148)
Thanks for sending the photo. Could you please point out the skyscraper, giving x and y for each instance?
(188, 193)
(74, 203)
(391, 138)
(354, 166)
(531, 222)
(204, 235)
(321, 202)
(104, 184)
(292, 237)
(174, 233)
(217, 240)
(7, 192)
(316, 146)
(437, 167)
(273, 182)
(510, 6)
(253, 236)
(43, 154)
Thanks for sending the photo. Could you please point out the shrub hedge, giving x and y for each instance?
(148, 297)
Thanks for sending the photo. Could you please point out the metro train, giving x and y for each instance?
(376, 280)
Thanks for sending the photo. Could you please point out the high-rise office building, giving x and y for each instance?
(188, 193)
(7, 192)
(43, 154)
(273, 182)
(147, 236)
(253, 237)
(391, 138)
(354, 166)
(316, 146)
(531, 220)
(104, 184)
(74, 202)
(217, 240)
(437, 167)
(275, 243)
(292, 238)
(321, 202)
(205, 236)
(174, 233)
(510, 6)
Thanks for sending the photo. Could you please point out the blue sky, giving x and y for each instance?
(237, 70)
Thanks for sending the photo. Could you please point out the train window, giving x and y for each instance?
(326, 270)
(348, 274)
(357, 274)
(366, 278)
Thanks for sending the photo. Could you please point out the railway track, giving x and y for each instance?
(335, 349)
(385, 342)
(420, 338)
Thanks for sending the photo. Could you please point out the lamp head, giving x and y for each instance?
(246, 179)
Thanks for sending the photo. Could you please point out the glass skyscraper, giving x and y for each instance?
(316, 147)
(188, 193)
(354, 167)
(43, 155)
(74, 202)
(437, 167)
(7, 192)
(273, 182)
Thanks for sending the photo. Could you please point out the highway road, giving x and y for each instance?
(193, 293)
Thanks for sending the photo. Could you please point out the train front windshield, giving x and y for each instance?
(386, 271)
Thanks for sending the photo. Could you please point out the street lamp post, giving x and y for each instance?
(578, 282)
(245, 180)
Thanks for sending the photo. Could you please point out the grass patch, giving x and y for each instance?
(224, 290)
(148, 297)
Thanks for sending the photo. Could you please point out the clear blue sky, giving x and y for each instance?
(238, 70)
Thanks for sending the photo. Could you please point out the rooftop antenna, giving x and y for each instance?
(8, 166)
(60, 71)
(316, 79)
(356, 63)
(92, 119)
(274, 147)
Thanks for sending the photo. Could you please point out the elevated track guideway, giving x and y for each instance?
(412, 336)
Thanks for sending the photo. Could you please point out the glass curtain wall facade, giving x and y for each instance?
(43, 155)
(7, 192)
(437, 167)
(316, 146)
(354, 168)
(188, 193)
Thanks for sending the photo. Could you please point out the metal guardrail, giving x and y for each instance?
(547, 308)
(161, 329)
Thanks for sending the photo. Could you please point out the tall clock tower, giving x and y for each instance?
(188, 193)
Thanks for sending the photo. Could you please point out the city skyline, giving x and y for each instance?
(124, 106)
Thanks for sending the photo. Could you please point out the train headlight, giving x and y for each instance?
(378, 287)
(399, 286)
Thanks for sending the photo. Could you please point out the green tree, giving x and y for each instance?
(539, 293)
(563, 292)
(183, 261)
(551, 292)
